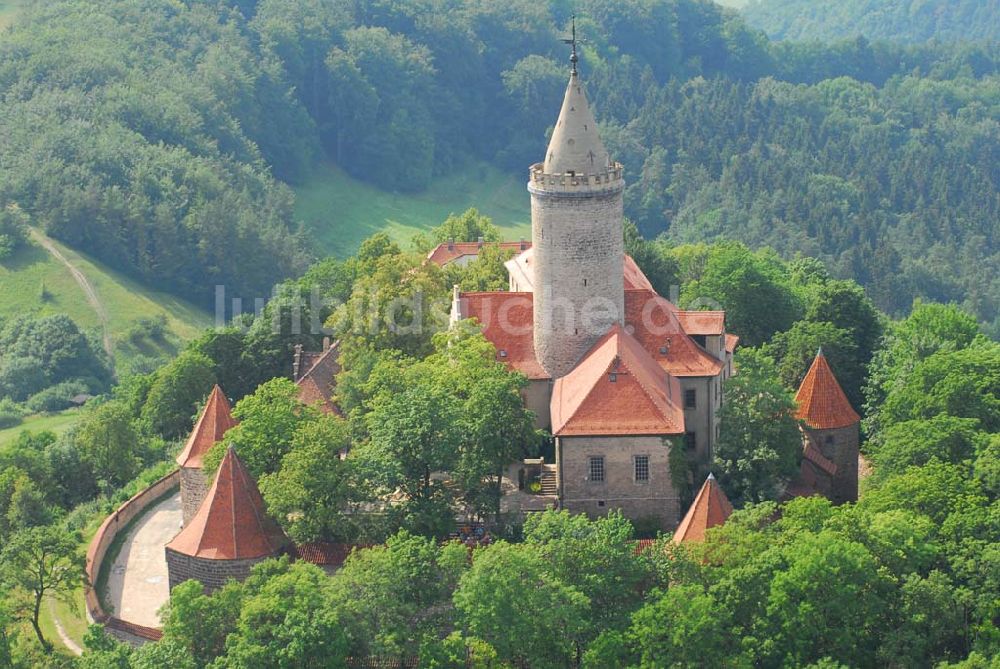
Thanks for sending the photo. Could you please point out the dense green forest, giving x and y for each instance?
(898, 20)
(159, 136)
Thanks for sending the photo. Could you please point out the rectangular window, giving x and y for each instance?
(641, 468)
(690, 441)
(690, 398)
(597, 470)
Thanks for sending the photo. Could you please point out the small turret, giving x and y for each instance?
(830, 430)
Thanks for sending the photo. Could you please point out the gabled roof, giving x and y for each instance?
(447, 252)
(232, 522)
(703, 322)
(822, 402)
(327, 554)
(731, 342)
(655, 324)
(316, 384)
(635, 279)
(575, 145)
(522, 270)
(507, 320)
(710, 508)
(616, 389)
(216, 418)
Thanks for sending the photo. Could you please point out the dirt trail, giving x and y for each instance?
(65, 638)
(88, 290)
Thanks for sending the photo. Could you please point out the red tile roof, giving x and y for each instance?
(703, 322)
(822, 403)
(520, 265)
(213, 423)
(327, 554)
(616, 389)
(507, 320)
(141, 631)
(232, 523)
(731, 342)
(634, 278)
(317, 383)
(710, 508)
(643, 545)
(654, 322)
(448, 252)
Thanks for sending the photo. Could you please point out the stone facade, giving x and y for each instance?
(702, 421)
(194, 487)
(841, 447)
(212, 574)
(579, 290)
(536, 400)
(655, 498)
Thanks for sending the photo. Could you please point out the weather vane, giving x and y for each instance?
(572, 41)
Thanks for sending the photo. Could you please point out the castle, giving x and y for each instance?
(617, 373)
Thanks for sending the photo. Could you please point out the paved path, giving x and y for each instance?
(137, 583)
(88, 289)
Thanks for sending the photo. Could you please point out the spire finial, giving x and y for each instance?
(819, 352)
(572, 41)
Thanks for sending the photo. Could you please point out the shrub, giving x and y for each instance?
(57, 397)
(10, 413)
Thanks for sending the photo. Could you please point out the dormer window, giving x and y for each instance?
(613, 377)
(503, 353)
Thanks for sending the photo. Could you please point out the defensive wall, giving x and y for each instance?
(112, 526)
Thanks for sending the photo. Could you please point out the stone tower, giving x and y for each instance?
(830, 432)
(230, 533)
(576, 233)
(215, 420)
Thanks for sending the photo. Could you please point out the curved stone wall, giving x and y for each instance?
(103, 540)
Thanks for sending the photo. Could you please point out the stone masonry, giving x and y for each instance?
(655, 498)
(840, 446)
(194, 487)
(213, 574)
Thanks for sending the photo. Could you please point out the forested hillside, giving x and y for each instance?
(903, 20)
(157, 135)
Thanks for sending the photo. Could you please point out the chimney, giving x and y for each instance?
(451, 244)
(297, 362)
(326, 344)
(524, 244)
(480, 242)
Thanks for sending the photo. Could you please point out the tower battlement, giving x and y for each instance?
(570, 184)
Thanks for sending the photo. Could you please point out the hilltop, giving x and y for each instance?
(898, 20)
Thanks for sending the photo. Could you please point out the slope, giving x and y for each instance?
(37, 282)
(340, 211)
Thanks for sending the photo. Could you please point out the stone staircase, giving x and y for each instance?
(548, 480)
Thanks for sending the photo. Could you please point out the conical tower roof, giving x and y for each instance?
(822, 402)
(215, 420)
(232, 523)
(575, 145)
(710, 508)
